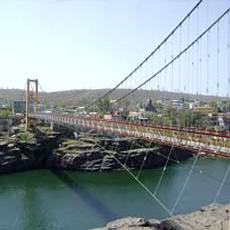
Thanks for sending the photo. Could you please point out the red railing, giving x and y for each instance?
(194, 139)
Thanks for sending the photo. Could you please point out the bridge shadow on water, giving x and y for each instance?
(89, 198)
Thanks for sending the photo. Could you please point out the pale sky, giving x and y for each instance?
(73, 44)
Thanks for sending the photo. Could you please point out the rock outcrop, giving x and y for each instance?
(88, 153)
(132, 223)
(104, 154)
(18, 154)
(212, 217)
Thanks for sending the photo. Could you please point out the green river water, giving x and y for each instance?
(67, 200)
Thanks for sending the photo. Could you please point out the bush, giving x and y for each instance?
(5, 113)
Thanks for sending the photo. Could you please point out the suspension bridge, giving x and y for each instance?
(193, 60)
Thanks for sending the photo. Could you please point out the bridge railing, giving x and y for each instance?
(187, 138)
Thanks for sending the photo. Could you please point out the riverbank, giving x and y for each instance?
(86, 152)
(212, 217)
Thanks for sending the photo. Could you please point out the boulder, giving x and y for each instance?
(128, 223)
(170, 225)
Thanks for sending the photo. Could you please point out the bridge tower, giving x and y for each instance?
(31, 99)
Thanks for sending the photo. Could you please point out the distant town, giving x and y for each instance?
(207, 114)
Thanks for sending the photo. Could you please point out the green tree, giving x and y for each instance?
(5, 113)
(213, 104)
(104, 106)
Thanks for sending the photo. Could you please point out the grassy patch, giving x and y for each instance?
(71, 142)
(25, 136)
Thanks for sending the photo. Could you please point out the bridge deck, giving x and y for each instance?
(196, 140)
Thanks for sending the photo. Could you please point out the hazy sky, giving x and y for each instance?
(70, 44)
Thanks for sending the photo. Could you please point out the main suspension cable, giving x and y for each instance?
(176, 57)
(150, 55)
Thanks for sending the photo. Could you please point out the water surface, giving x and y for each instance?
(70, 200)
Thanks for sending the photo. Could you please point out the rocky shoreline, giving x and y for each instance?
(212, 217)
(86, 152)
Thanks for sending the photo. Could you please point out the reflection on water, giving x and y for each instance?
(44, 199)
(89, 198)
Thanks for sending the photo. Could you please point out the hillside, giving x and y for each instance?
(81, 97)
(12, 94)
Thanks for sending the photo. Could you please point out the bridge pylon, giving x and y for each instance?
(31, 100)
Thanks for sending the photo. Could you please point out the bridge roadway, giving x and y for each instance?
(197, 140)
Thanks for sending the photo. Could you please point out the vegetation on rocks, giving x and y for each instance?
(25, 136)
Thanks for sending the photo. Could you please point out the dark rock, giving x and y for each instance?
(169, 225)
(88, 153)
(104, 154)
(128, 222)
(18, 155)
(4, 145)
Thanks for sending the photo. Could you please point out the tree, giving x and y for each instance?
(213, 104)
(5, 113)
(104, 106)
(149, 106)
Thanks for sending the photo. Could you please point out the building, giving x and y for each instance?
(178, 104)
(19, 107)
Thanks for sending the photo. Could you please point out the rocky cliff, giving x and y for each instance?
(103, 154)
(89, 152)
(25, 151)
